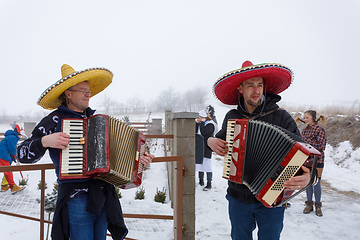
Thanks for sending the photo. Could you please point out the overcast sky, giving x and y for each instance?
(150, 45)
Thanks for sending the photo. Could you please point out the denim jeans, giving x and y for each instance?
(85, 225)
(316, 190)
(245, 216)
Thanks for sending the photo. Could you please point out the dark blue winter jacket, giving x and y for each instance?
(100, 192)
(8, 146)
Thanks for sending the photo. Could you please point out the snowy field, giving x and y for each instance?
(341, 203)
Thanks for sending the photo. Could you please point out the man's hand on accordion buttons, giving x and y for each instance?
(146, 159)
(56, 140)
(298, 182)
(218, 145)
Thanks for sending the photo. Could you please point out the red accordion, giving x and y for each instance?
(102, 147)
(263, 156)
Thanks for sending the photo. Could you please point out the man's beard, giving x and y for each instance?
(252, 103)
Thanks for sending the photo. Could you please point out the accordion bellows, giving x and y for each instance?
(102, 147)
(263, 156)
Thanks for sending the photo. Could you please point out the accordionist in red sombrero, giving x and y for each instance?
(265, 159)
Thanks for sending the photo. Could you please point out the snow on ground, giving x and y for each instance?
(341, 203)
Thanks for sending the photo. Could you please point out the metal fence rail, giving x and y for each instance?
(177, 217)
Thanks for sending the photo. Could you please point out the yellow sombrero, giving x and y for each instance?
(98, 78)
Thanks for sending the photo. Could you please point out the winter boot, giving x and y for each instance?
(318, 211)
(209, 179)
(15, 188)
(201, 178)
(4, 188)
(207, 187)
(201, 182)
(309, 207)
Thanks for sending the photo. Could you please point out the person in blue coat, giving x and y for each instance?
(7, 156)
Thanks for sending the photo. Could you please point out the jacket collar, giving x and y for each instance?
(270, 103)
(66, 112)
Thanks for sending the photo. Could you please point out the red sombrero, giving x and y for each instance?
(276, 77)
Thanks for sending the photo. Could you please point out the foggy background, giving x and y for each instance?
(177, 48)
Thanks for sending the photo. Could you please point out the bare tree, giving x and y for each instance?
(136, 103)
(108, 103)
(168, 99)
(195, 98)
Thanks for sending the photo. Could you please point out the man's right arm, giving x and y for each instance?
(32, 150)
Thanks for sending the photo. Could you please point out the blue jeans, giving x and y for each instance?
(316, 190)
(85, 225)
(245, 216)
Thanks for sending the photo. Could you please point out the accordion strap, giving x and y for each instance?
(259, 115)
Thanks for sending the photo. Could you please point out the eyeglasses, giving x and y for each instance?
(85, 92)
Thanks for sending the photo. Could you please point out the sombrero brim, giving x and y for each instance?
(277, 78)
(98, 78)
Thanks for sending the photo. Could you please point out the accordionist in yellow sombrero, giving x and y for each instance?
(86, 205)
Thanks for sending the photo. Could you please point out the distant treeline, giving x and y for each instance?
(169, 99)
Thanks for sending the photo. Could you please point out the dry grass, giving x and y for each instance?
(342, 122)
(348, 109)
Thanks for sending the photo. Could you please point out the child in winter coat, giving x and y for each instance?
(7, 156)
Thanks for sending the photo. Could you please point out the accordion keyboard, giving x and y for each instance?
(227, 157)
(72, 156)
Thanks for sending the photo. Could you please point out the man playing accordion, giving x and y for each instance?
(85, 207)
(254, 89)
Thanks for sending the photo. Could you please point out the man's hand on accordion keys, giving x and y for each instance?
(218, 145)
(298, 182)
(56, 140)
(146, 159)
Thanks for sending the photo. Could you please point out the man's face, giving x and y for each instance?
(252, 90)
(78, 96)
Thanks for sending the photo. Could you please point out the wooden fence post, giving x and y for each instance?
(183, 127)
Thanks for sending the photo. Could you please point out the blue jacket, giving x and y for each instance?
(8, 146)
